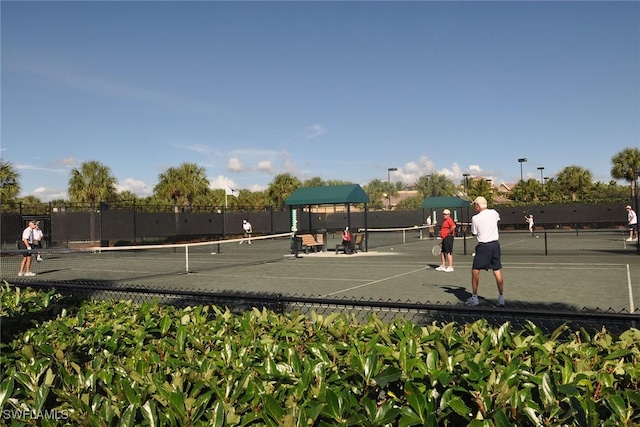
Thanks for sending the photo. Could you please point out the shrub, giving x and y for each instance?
(120, 363)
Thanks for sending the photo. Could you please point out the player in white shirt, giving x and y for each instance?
(484, 225)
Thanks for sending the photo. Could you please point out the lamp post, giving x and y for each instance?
(541, 168)
(389, 170)
(521, 161)
(466, 183)
(546, 178)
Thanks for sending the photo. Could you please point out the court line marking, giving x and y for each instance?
(631, 305)
(373, 283)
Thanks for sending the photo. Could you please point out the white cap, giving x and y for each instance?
(480, 201)
(446, 212)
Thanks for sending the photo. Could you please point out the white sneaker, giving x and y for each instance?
(473, 301)
(240, 242)
(21, 274)
(441, 268)
(448, 270)
(39, 258)
(630, 239)
(500, 302)
(29, 273)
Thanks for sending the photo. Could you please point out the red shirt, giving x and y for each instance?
(445, 228)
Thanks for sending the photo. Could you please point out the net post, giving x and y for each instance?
(186, 258)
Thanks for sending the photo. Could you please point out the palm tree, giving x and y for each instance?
(609, 191)
(625, 163)
(435, 185)
(185, 185)
(575, 180)
(282, 186)
(127, 197)
(552, 190)
(410, 203)
(316, 181)
(529, 190)
(254, 199)
(377, 192)
(9, 186)
(92, 183)
(337, 182)
(480, 187)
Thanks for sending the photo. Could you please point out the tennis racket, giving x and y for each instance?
(436, 249)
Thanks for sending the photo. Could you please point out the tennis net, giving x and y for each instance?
(148, 264)
(384, 237)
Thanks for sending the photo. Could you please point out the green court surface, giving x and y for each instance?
(593, 271)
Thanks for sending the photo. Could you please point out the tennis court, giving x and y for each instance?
(582, 270)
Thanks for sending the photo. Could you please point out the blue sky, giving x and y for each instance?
(340, 90)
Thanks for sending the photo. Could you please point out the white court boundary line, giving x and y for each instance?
(631, 305)
(515, 265)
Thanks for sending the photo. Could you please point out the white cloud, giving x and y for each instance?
(221, 182)
(315, 131)
(198, 148)
(137, 187)
(71, 78)
(48, 194)
(475, 168)
(70, 162)
(265, 166)
(234, 165)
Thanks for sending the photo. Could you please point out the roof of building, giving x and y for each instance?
(328, 195)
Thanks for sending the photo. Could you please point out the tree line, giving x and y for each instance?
(187, 187)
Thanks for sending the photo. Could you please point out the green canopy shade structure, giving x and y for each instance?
(444, 202)
(330, 195)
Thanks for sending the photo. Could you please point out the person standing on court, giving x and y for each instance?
(37, 240)
(632, 219)
(447, 233)
(529, 219)
(247, 229)
(26, 245)
(484, 225)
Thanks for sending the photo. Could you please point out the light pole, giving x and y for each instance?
(541, 168)
(546, 178)
(389, 170)
(521, 161)
(466, 183)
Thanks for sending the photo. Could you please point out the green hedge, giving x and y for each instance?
(100, 363)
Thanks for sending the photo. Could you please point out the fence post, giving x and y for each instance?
(546, 248)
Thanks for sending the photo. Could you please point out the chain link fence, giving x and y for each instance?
(544, 318)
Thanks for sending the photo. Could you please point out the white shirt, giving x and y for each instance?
(246, 226)
(484, 225)
(37, 235)
(632, 217)
(28, 234)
